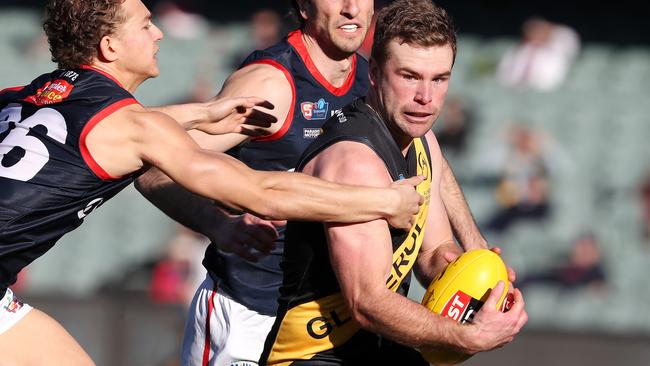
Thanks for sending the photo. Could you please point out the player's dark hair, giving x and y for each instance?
(295, 13)
(74, 28)
(414, 22)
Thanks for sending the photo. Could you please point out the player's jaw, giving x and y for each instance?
(348, 34)
(415, 121)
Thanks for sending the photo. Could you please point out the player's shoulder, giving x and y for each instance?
(352, 162)
(261, 72)
(138, 114)
(135, 115)
(256, 79)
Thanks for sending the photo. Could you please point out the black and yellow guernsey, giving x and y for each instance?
(314, 325)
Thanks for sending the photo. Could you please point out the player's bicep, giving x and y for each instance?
(111, 142)
(271, 82)
(165, 145)
(264, 81)
(161, 142)
(361, 256)
(360, 253)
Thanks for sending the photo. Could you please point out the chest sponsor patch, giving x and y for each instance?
(311, 133)
(315, 110)
(52, 92)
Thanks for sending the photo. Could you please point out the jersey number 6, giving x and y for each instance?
(22, 151)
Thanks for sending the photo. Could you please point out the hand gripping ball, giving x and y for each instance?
(460, 290)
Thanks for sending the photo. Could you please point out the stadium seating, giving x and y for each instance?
(597, 119)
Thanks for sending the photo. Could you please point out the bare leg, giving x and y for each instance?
(39, 340)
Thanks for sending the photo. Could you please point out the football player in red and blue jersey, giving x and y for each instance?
(73, 138)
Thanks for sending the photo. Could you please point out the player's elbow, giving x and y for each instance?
(262, 202)
(270, 196)
(363, 308)
(268, 209)
(151, 182)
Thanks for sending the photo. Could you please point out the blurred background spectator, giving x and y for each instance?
(582, 266)
(266, 30)
(523, 190)
(179, 272)
(178, 19)
(454, 125)
(542, 58)
(645, 204)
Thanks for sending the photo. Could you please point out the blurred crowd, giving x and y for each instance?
(541, 61)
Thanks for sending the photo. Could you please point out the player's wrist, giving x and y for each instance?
(392, 204)
(200, 113)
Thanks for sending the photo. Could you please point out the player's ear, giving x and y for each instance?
(373, 71)
(107, 50)
(303, 6)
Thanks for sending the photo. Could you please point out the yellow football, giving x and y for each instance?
(460, 290)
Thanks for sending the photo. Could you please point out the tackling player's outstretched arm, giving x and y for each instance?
(139, 134)
(196, 212)
(362, 277)
(222, 116)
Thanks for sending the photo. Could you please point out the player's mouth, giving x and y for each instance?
(418, 117)
(350, 28)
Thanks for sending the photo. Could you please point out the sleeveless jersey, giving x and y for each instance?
(313, 321)
(314, 100)
(48, 180)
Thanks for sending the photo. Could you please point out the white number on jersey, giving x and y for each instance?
(22, 153)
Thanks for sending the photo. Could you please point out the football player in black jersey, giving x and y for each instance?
(73, 138)
(308, 77)
(342, 300)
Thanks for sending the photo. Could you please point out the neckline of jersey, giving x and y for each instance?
(90, 67)
(295, 39)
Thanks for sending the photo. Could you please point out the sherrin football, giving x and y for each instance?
(460, 290)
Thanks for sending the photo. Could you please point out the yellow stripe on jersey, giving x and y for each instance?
(326, 323)
(404, 257)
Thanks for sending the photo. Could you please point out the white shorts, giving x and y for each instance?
(11, 311)
(222, 332)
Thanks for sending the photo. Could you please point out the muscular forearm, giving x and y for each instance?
(460, 216)
(302, 197)
(296, 196)
(197, 213)
(186, 114)
(398, 318)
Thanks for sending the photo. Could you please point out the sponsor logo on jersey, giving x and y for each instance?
(10, 303)
(314, 111)
(52, 92)
(90, 207)
(311, 133)
(322, 326)
(243, 363)
(14, 306)
(461, 307)
(339, 114)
